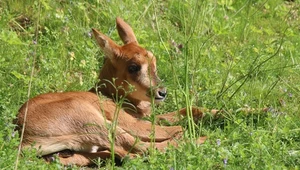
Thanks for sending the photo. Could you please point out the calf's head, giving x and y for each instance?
(128, 66)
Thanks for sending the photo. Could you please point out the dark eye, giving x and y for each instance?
(134, 68)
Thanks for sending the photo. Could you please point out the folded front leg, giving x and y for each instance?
(198, 114)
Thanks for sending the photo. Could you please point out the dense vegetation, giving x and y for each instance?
(221, 54)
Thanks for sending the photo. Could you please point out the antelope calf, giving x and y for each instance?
(79, 121)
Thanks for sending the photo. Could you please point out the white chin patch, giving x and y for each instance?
(157, 100)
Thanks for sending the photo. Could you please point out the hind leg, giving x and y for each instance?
(84, 159)
(68, 157)
(126, 145)
(88, 147)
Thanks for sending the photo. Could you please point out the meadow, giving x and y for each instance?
(222, 54)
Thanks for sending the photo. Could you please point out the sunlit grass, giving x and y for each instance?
(214, 54)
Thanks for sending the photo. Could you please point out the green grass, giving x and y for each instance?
(214, 54)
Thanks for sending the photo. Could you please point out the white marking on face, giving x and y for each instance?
(144, 77)
(142, 81)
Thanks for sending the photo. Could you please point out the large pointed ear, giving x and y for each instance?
(109, 47)
(125, 32)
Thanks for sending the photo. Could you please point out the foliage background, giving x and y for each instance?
(220, 54)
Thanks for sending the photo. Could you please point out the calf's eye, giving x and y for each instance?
(134, 68)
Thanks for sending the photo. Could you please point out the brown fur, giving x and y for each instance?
(78, 121)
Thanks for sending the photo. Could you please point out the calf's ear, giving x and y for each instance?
(125, 32)
(108, 46)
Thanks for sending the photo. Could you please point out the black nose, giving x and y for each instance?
(162, 93)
